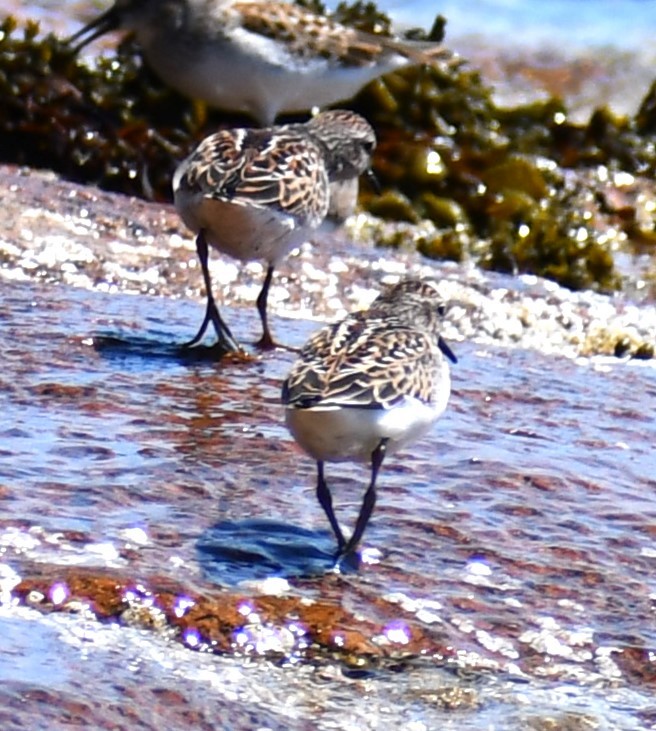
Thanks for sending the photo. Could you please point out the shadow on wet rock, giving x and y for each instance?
(119, 346)
(231, 552)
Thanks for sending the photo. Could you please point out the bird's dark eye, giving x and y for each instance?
(441, 309)
(368, 146)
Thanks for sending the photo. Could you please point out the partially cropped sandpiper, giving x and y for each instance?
(257, 57)
(368, 386)
(257, 193)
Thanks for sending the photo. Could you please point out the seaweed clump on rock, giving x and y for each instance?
(495, 183)
(113, 124)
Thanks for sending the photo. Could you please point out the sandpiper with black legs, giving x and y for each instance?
(367, 386)
(256, 194)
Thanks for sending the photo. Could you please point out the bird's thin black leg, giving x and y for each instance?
(369, 501)
(266, 342)
(326, 502)
(211, 311)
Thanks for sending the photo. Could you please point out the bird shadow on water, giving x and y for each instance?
(120, 346)
(231, 552)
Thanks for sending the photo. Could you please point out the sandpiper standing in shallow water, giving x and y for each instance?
(257, 193)
(369, 385)
(253, 56)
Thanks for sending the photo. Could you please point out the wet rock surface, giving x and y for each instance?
(163, 560)
(57, 231)
(161, 547)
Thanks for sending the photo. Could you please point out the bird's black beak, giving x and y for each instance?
(373, 181)
(441, 344)
(109, 21)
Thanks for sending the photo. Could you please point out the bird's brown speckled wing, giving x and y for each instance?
(282, 171)
(364, 363)
(325, 38)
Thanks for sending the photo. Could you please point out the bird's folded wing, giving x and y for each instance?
(256, 168)
(361, 364)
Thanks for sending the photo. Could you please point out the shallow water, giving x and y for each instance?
(516, 542)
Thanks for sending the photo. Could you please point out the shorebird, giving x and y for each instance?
(257, 57)
(367, 386)
(258, 193)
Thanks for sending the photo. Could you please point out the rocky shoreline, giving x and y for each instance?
(510, 574)
(59, 231)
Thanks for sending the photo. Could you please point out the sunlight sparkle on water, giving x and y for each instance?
(182, 604)
(59, 592)
(397, 632)
(191, 638)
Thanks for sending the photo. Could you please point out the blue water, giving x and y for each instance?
(625, 24)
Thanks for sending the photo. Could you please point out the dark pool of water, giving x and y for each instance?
(520, 533)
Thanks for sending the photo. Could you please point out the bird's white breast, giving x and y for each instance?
(248, 72)
(243, 232)
(336, 434)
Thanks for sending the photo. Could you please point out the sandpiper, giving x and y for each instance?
(369, 385)
(254, 56)
(257, 193)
